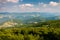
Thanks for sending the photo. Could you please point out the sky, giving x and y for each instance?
(29, 6)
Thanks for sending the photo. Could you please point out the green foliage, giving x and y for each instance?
(31, 33)
(38, 31)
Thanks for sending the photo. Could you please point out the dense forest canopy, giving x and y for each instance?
(49, 30)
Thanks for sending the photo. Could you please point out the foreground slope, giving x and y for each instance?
(51, 32)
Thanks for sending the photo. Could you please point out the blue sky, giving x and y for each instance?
(29, 6)
(37, 1)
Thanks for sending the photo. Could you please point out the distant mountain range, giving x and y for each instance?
(28, 16)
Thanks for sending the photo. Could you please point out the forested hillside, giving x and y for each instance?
(49, 30)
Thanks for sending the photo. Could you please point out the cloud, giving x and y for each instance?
(28, 8)
(7, 1)
(53, 3)
(44, 5)
(26, 5)
(2, 1)
(14, 1)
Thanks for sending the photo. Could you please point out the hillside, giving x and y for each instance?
(49, 30)
(28, 16)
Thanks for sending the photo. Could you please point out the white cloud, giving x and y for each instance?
(28, 8)
(3, 1)
(51, 7)
(22, 5)
(26, 5)
(53, 3)
(44, 5)
(15, 1)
